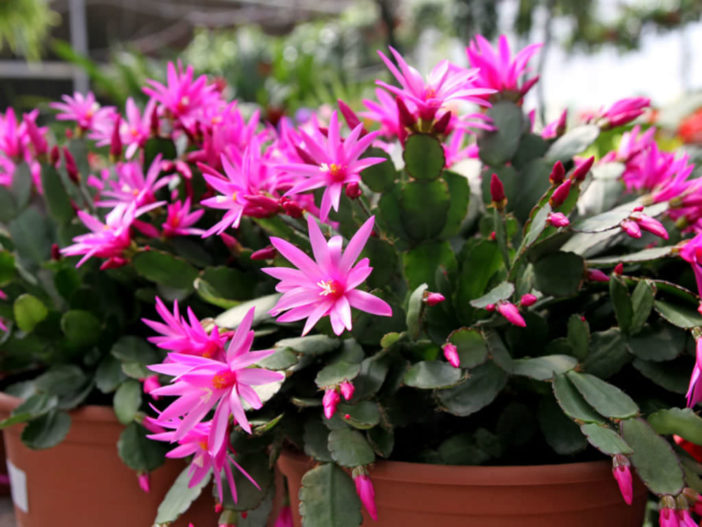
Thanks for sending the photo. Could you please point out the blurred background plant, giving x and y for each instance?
(25, 25)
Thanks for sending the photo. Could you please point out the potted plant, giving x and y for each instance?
(334, 299)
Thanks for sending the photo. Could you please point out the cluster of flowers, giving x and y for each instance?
(256, 170)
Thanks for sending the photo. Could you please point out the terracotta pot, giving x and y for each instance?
(82, 482)
(414, 494)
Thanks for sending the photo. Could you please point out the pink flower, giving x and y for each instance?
(511, 313)
(497, 69)
(179, 336)
(83, 109)
(558, 219)
(135, 128)
(330, 401)
(347, 388)
(631, 145)
(365, 491)
(431, 299)
(451, 354)
(284, 518)
(623, 111)
(694, 391)
(622, 474)
(180, 221)
(555, 128)
(684, 518)
(385, 113)
(131, 185)
(327, 285)
(667, 517)
(337, 163)
(445, 84)
(200, 383)
(150, 383)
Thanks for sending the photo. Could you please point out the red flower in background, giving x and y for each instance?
(690, 129)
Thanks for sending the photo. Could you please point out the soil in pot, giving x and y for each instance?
(414, 494)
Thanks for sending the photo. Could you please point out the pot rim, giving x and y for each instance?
(498, 476)
(88, 412)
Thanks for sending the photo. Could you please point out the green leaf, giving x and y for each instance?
(382, 440)
(479, 262)
(499, 146)
(532, 183)
(248, 496)
(421, 262)
(460, 449)
(337, 372)
(362, 415)
(389, 212)
(137, 451)
(165, 269)
(34, 406)
(428, 375)
(535, 227)
(659, 342)
(475, 393)
(127, 401)
(310, 345)
(414, 310)
(579, 335)
(179, 497)
(349, 448)
(682, 317)
(673, 376)
(55, 195)
(606, 398)
(135, 370)
(424, 157)
(645, 255)
(328, 497)
(46, 430)
(30, 234)
(654, 459)
(559, 274)
(424, 208)
(231, 318)
(573, 142)
(642, 304)
(500, 292)
(459, 193)
(315, 439)
(605, 439)
(81, 328)
(28, 312)
(572, 403)
(108, 375)
(471, 346)
(380, 177)
(531, 146)
(282, 359)
(61, 380)
(372, 375)
(224, 285)
(543, 368)
(619, 294)
(680, 421)
(7, 267)
(158, 145)
(608, 353)
(130, 348)
(561, 434)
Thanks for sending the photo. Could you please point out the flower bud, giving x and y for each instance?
(350, 116)
(582, 169)
(558, 219)
(622, 474)
(631, 228)
(442, 123)
(451, 354)
(431, 299)
(557, 174)
(365, 491)
(38, 140)
(353, 190)
(330, 401)
(560, 194)
(144, 481)
(284, 518)
(54, 156)
(618, 269)
(290, 207)
(595, 275)
(267, 253)
(649, 224)
(218, 508)
(490, 308)
(347, 388)
(527, 300)
(71, 167)
(497, 192)
(150, 383)
(116, 140)
(55, 252)
(405, 116)
(511, 313)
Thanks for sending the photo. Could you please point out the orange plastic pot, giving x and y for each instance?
(82, 482)
(414, 494)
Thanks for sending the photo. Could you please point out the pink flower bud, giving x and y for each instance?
(595, 275)
(150, 384)
(284, 518)
(527, 300)
(350, 116)
(144, 481)
(497, 191)
(451, 354)
(55, 252)
(558, 219)
(511, 313)
(442, 123)
(560, 194)
(631, 228)
(666, 515)
(582, 169)
(405, 116)
(684, 518)
(619, 268)
(622, 474)
(557, 174)
(230, 242)
(365, 491)
(330, 401)
(54, 156)
(267, 253)
(218, 508)
(650, 224)
(290, 207)
(347, 388)
(490, 307)
(353, 190)
(431, 299)
(71, 167)
(116, 140)
(38, 140)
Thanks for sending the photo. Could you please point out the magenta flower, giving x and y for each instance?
(336, 163)
(135, 128)
(132, 186)
(365, 491)
(186, 337)
(622, 474)
(631, 145)
(684, 518)
(623, 111)
(327, 285)
(195, 443)
(667, 516)
(83, 109)
(385, 113)
(694, 390)
(180, 221)
(200, 383)
(496, 67)
(445, 84)
(555, 128)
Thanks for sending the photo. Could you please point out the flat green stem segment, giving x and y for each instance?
(328, 497)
